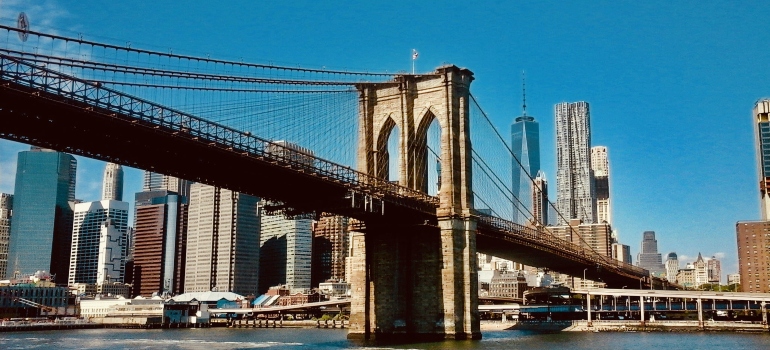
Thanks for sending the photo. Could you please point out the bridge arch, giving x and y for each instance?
(426, 150)
(385, 138)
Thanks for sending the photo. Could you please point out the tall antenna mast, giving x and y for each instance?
(523, 94)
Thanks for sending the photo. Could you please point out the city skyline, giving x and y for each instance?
(645, 191)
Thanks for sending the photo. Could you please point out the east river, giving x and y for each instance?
(286, 338)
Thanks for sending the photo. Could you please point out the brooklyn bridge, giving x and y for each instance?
(412, 159)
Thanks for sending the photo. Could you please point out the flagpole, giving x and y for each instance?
(413, 61)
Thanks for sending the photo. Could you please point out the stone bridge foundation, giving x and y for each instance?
(416, 283)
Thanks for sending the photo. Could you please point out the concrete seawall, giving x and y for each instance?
(49, 327)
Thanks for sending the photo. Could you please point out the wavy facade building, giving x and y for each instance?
(576, 195)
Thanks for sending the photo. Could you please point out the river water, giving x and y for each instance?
(286, 338)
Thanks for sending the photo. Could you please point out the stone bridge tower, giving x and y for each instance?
(408, 278)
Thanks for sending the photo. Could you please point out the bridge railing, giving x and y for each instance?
(541, 237)
(124, 106)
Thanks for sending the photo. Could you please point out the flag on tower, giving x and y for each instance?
(414, 54)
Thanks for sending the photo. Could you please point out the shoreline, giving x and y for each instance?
(637, 326)
(528, 325)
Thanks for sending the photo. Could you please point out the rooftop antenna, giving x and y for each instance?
(523, 94)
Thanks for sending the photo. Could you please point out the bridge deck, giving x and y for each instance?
(533, 247)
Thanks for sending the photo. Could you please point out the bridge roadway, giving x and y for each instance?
(46, 108)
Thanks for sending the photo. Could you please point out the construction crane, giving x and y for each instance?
(45, 308)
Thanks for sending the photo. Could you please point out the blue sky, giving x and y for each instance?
(671, 84)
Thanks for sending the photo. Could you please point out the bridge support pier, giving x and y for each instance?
(396, 283)
(459, 278)
(414, 282)
(588, 308)
(699, 305)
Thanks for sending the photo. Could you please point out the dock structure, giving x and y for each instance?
(643, 307)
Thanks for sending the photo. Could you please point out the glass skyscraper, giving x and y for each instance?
(525, 143)
(41, 229)
(285, 252)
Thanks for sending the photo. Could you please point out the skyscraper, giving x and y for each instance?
(286, 240)
(160, 233)
(330, 248)
(6, 211)
(596, 237)
(525, 144)
(576, 195)
(98, 242)
(41, 229)
(601, 169)
(762, 139)
(714, 270)
(621, 252)
(648, 257)
(155, 181)
(112, 184)
(754, 255)
(701, 271)
(222, 241)
(285, 251)
(540, 204)
(672, 267)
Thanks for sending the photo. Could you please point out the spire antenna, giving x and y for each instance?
(523, 94)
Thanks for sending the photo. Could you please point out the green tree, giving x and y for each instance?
(716, 287)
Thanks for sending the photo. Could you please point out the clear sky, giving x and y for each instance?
(671, 83)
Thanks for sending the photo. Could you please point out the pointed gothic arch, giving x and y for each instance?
(382, 161)
(421, 151)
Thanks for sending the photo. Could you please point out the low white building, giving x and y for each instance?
(95, 309)
(334, 288)
(184, 308)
